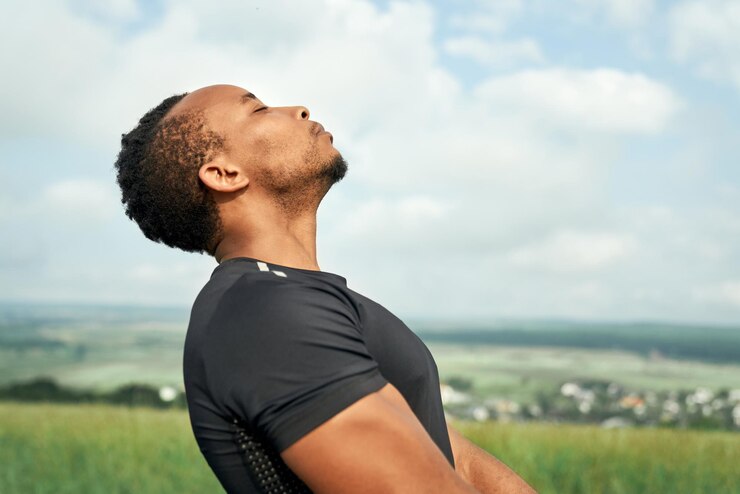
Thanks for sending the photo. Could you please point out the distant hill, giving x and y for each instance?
(719, 344)
(54, 326)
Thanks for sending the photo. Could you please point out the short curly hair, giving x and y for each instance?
(157, 170)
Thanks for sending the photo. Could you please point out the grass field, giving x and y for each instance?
(81, 449)
(587, 459)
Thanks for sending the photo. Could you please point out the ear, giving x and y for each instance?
(221, 175)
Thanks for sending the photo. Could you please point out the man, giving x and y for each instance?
(294, 382)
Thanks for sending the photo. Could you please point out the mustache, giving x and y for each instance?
(317, 128)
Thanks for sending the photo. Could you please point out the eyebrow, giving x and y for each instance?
(247, 96)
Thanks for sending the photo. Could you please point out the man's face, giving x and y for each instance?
(278, 148)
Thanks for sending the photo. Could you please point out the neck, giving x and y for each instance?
(272, 232)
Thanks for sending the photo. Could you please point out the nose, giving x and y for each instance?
(302, 112)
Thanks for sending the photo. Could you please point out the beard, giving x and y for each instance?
(316, 172)
(335, 169)
(300, 190)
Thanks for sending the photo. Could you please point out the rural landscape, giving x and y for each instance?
(546, 193)
(573, 406)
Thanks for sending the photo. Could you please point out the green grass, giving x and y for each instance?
(587, 459)
(51, 448)
(83, 449)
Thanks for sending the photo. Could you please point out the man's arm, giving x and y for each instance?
(482, 470)
(375, 445)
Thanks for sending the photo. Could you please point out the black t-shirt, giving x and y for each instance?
(272, 352)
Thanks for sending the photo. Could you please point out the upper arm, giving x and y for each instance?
(374, 445)
(460, 448)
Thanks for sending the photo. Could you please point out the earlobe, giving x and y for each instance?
(220, 175)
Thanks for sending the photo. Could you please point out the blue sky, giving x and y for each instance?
(510, 158)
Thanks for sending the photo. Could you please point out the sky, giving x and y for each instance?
(507, 159)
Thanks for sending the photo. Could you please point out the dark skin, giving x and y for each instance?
(268, 184)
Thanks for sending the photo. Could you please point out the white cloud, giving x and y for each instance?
(57, 74)
(111, 10)
(574, 251)
(174, 273)
(379, 215)
(103, 82)
(723, 293)
(630, 12)
(602, 100)
(490, 17)
(621, 13)
(706, 34)
(397, 225)
(479, 23)
(487, 201)
(80, 201)
(497, 53)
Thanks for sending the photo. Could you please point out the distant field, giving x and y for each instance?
(519, 372)
(98, 349)
(513, 372)
(102, 348)
(101, 449)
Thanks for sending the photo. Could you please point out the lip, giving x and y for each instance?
(320, 130)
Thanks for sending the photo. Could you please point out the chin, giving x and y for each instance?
(336, 168)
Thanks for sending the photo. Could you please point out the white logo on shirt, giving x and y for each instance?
(264, 267)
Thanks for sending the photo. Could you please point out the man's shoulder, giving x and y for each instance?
(260, 312)
(268, 285)
(257, 292)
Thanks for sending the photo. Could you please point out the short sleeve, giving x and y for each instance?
(286, 356)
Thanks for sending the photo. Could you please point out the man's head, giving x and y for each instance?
(196, 153)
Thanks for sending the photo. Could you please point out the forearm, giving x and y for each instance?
(483, 471)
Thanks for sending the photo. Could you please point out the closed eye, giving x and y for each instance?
(260, 109)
